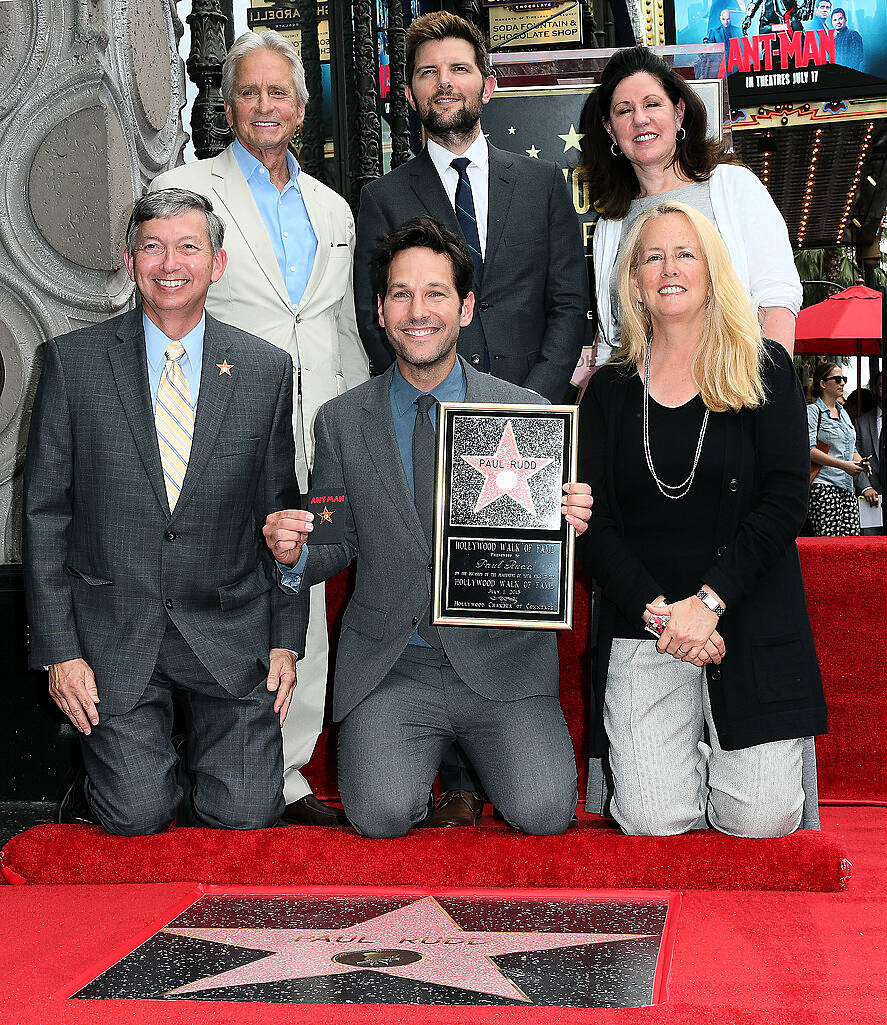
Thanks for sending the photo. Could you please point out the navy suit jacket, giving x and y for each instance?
(532, 306)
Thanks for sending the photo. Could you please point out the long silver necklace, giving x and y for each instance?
(674, 491)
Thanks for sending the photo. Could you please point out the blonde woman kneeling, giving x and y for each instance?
(694, 440)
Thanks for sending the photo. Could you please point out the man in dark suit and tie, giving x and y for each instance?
(404, 690)
(514, 212)
(160, 440)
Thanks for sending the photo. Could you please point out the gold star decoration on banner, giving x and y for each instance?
(533, 152)
(512, 130)
(572, 139)
(225, 368)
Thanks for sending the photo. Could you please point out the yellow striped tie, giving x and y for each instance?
(174, 415)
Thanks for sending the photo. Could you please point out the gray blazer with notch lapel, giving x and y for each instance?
(106, 562)
(357, 453)
(531, 310)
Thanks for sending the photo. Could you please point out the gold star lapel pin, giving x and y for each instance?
(224, 368)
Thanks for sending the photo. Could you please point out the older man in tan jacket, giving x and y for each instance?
(290, 242)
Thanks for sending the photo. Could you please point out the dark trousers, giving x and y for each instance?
(234, 752)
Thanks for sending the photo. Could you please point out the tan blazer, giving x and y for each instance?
(320, 333)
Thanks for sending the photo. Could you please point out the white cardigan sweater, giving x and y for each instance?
(753, 230)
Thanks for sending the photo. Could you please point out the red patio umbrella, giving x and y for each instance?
(848, 323)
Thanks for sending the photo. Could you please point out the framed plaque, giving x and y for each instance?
(503, 552)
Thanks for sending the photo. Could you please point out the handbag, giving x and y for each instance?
(822, 446)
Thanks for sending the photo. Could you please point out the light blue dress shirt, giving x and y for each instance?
(402, 396)
(286, 219)
(156, 344)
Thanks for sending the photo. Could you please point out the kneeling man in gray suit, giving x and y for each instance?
(404, 689)
(160, 441)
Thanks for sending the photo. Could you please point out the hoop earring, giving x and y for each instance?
(639, 306)
(680, 134)
(614, 149)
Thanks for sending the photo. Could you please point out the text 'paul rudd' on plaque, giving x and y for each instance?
(503, 553)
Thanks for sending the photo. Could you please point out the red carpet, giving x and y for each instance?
(593, 855)
(846, 583)
(740, 958)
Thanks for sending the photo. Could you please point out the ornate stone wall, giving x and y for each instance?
(90, 93)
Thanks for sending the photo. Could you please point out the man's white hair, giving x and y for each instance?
(270, 40)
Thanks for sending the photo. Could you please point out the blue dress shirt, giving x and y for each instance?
(402, 396)
(286, 220)
(156, 344)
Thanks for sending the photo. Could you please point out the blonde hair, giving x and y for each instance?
(726, 365)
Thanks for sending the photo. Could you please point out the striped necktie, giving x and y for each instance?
(174, 416)
(466, 216)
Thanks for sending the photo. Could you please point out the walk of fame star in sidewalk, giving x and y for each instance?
(543, 948)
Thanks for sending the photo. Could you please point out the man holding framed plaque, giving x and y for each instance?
(405, 689)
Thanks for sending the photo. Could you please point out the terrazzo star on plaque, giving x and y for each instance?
(506, 472)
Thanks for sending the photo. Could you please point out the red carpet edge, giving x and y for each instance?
(593, 855)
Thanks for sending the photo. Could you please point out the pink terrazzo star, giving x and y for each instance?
(450, 955)
(507, 472)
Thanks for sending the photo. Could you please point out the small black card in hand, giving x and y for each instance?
(329, 517)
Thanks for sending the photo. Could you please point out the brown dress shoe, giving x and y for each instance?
(308, 811)
(457, 808)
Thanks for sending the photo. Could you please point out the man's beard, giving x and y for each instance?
(453, 126)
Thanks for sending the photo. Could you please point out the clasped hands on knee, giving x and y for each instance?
(690, 633)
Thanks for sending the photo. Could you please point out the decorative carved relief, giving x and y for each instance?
(210, 130)
(369, 127)
(90, 94)
(397, 52)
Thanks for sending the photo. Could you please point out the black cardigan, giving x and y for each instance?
(768, 687)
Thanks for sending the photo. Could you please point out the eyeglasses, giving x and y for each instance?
(836, 377)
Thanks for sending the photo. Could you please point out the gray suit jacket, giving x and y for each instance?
(106, 562)
(357, 452)
(531, 311)
(868, 443)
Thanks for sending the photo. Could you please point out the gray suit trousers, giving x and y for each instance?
(234, 752)
(391, 743)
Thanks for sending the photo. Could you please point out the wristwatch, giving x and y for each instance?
(710, 602)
